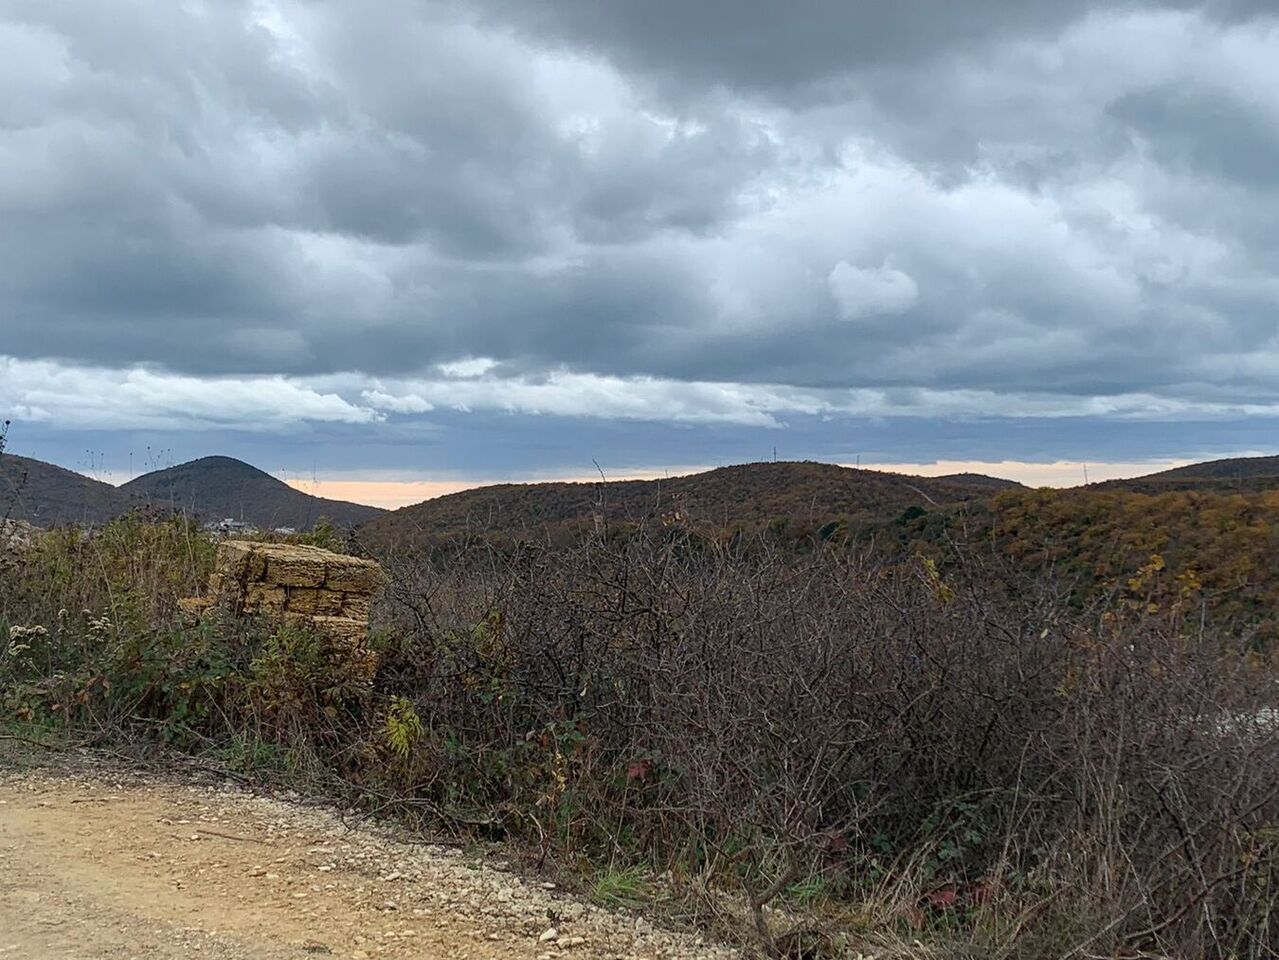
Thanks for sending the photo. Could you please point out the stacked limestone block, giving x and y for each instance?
(323, 591)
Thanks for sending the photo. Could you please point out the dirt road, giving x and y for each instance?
(102, 864)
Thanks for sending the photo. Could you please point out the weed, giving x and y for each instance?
(624, 887)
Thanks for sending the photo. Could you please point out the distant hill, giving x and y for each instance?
(215, 488)
(46, 495)
(1237, 475)
(980, 480)
(1232, 468)
(799, 496)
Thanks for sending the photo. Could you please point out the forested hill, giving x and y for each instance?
(47, 495)
(1235, 475)
(801, 497)
(214, 488)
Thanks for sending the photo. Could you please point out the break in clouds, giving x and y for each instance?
(249, 215)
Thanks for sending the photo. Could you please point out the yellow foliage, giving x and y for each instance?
(1155, 550)
(403, 727)
(941, 590)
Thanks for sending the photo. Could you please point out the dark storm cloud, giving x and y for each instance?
(784, 49)
(179, 174)
(710, 204)
(807, 50)
(1206, 132)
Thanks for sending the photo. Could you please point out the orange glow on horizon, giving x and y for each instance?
(391, 494)
(1059, 473)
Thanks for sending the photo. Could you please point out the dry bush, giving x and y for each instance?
(965, 753)
(816, 749)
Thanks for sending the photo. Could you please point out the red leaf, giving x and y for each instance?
(942, 898)
(638, 769)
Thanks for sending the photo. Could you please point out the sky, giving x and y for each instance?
(421, 242)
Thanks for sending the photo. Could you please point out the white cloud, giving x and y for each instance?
(65, 395)
(405, 403)
(80, 396)
(569, 394)
(470, 367)
(870, 291)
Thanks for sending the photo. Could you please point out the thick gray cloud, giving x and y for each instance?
(707, 213)
(809, 49)
(783, 50)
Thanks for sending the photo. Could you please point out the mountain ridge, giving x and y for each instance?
(218, 487)
(45, 494)
(1227, 475)
(744, 496)
(209, 488)
(747, 496)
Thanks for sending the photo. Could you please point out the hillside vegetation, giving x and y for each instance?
(1212, 551)
(1236, 475)
(1199, 539)
(1234, 468)
(795, 499)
